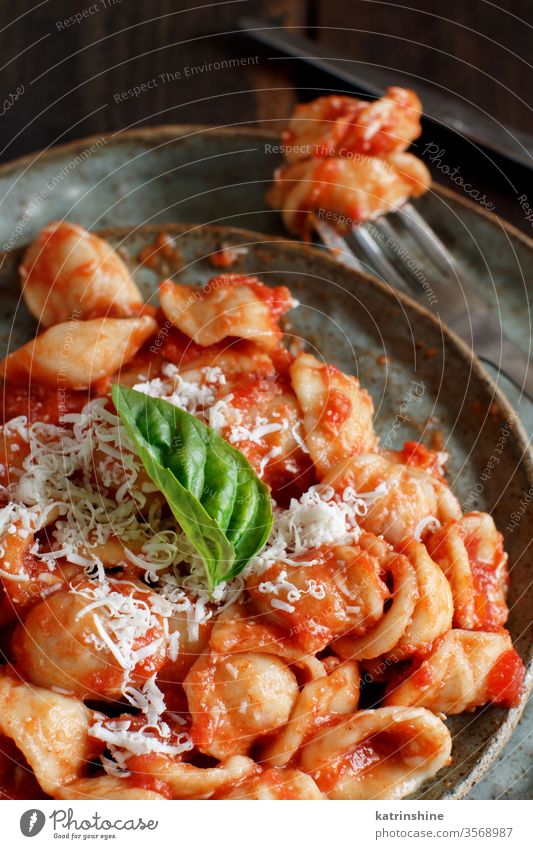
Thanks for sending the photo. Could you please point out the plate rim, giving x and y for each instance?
(169, 131)
(370, 280)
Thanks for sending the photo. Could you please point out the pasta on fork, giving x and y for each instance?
(214, 583)
(346, 161)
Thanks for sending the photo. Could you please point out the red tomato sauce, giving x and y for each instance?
(490, 580)
(250, 392)
(383, 746)
(336, 411)
(506, 680)
(40, 403)
(179, 349)
(225, 257)
(417, 455)
(151, 782)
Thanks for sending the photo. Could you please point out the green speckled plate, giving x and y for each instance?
(423, 380)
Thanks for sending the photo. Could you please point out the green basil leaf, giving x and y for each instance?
(221, 505)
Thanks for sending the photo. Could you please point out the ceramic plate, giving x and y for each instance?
(424, 383)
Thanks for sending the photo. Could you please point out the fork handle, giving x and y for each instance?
(515, 364)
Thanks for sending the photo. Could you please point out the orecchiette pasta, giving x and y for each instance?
(338, 125)
(106, 787)
(345, 594)
(402, 497)
(50, 729)
(275, 450)
(274, 784)
(235, 699)
(395, 619)
(187, 781)
(421, 608)
(347, 161)
(77, 354)
(470, 552)
(230, 305)
(319, 700)
(60, 643)
(26, 581)
(337, 412)
(68, 273)
(376, 754)
(240, 629)
(348, 190)
(140, 668)
(465, 670)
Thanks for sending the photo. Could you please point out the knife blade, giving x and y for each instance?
(467, 120)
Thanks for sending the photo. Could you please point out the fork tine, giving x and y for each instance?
(378, 260)
(456, 301)
(338, 245)
(398, 246)
(435, 249)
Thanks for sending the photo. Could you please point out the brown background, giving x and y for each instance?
(72, 74)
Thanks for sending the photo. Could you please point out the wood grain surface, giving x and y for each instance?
(76, 67)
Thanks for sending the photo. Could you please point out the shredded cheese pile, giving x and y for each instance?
(200, 397)
(155, 735)
(319, 517)
(84, 480)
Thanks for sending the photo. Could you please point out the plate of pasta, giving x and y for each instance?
(225, 574)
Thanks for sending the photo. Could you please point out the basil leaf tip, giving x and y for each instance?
(215, 495)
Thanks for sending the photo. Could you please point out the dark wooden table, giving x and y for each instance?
(73, 68)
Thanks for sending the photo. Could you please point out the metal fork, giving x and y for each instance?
(405, 252)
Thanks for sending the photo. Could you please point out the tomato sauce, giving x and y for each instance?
(226, 256)
(490, 580)
(40, 403)
(336, 411)
(179, 349)
(251, 393)
(162, 255)
(506, 680)
(385, 746)
(422, 458)
(325, 111)
(354, 761)
(151, 783)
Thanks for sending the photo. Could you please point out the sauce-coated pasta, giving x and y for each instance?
(133, 671)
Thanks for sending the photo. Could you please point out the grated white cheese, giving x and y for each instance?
(196, 398)
(58, 483)
(319, 517)
(201, 399)
(282, 605)
(429, 523)
(261, 428)
(293, 593)
(274, 452)
(155, 735)
(84, 480)
(121, 620)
